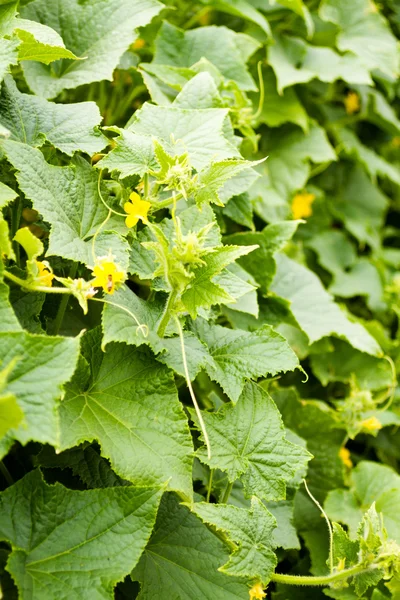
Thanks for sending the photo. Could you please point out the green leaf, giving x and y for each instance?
(251, 531)
(84, 33)
(199, 92)
(294, 61)
(343, 363)
(363, 279)
(364, 32)
(284, 536)
(335, 251)
(224, 48)
(202, 291)
(11, 414)
(68, 127)
(7, 195)
(279, 108)
(315, 422)
(8, 54)
(200, 133)
(361, 206)
(374, 164)
(43, 365)
(248, 442)
(128, 402)
(65, 541)
(298, 7)
(271, 239)
(240, 355)
(182, 559)
(212, 178)
(289, 155)
(314, 309)
(68, 199)
(243, 9)
(40, 43)
(132, 155)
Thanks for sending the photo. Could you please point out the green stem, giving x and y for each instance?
(63, 304)
(146, 189)
(6, 473)
(210, 481)
(167, 313)
(320, 579)
(35, 288)
(167, 201)
(227, 493)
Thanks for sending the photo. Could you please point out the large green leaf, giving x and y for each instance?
(11, 414)
(133, 154)
(224, 48)
(70, 544)
(200, 133)
(68, 127)
(82, 27)
(127, 401)
(248, 442)
(40, 43)
(182, 559)
(42, 365)
(314, 308)
(8, 54)
(251, 530)
(364, 32)
(68, 199)
(240, 355)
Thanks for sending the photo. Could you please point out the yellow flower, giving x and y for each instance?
(107, 274)
(257, 592)
(138, 44)
(44, 276)
(344, 454)
(352, 103)
(136, 209)
(301, 205)
(372, 424)
(341, 564)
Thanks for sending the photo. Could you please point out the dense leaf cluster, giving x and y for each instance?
(199, 299)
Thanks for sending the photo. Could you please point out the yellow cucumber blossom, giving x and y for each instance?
(107, 274)
(344, 455)
(136, 210)
(372, 424)
(352, 103)
(44, 276)
(257, 592)
(301, 205)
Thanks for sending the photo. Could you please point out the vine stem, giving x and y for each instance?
(142, 327)
(167, 313)
(6, 473)
(319, 579)
(36, 288)
(209, 487)
(63, 303)
(227, 493)
(189, 384)
(327, 522)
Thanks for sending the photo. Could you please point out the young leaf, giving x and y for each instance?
(65, 542)
(251, 531)
(128, 402)
(40, 43)
(132, 155)
(32, 120)
(239, 355)
(68, 199)
(84, 33)
(248, 442)
(182, 559)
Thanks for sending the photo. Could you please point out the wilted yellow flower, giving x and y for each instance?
(371, 424)
(107, 274)
(136, 209)
(352, 103)
(301, 205)
(44, 276)
(344, 454)
(257, 592)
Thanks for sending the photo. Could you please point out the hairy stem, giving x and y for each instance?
(63, 303)
(227, 493)
(320, 579)
(192, 395)
(35, 288)
(167, 313)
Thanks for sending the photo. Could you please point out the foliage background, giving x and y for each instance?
(311, 314)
